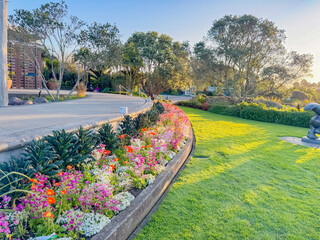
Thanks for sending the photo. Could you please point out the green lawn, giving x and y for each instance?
(251, 186)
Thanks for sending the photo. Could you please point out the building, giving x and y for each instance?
(22, 68)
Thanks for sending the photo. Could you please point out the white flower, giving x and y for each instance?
(92, 223)
(125, 198)
(150, 178)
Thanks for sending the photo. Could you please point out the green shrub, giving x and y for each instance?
(270, 103)
(41, 158)
(87, 141)
(194, 103)
(108, 137)
(142, 121)
(260, 112)
(159, 107)
(65, 148)
(11, 181)
(127, 126)
(221, 100)
(153, 114)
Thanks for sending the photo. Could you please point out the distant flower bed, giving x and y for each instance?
(80, 200)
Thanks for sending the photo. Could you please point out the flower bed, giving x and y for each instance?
(80, 201)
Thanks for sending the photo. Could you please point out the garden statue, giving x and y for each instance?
(315, 121)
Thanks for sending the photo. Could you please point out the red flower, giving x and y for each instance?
(60, 174)
(107, 152)
(144, 129)
(122, 136)
(51, 200)
(69, 167)
(125, 162)
(112, 167)
(57, 184)
(50, 192)
(48, 214)
(116, 159)
(63, 192)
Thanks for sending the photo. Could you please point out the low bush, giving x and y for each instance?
(194, 103)
(260, 112)
(107, 137)
(270, 103)
(221, 100)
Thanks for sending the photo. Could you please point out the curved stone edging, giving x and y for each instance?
(124, 224)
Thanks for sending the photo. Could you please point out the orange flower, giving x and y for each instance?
(112, 167)
(130, 150)
(60, 174)
(69, 167)
(63, 192)
(48, 214)
(50, 192)
(125, 162)
(107, 152)
(122, 136)
(149, 146)
(57, 184)
(156, 129)
(143, 147)
(144, 129)
(33, 180)
(51, 200)
(116, 159)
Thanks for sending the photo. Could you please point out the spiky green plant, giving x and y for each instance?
(42, 158)
(65, 147)
(127, 126)
(107, 136)
(142, 121)
(12, 172)
(87, 141)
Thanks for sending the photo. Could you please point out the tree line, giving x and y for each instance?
(242, 55)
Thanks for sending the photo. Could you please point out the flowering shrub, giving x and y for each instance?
(81, 200)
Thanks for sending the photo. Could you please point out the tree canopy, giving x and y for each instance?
(247, 54)
(165, 63)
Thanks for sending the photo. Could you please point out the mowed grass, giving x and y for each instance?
(251, 186)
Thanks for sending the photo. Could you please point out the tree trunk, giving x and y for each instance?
(3, 55)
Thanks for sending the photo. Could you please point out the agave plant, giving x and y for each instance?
(153, 114)
(142, 121)
(65, 148)
(127, 126)
(107, 136)
(87, 142)
(42, 158)
(12, 175)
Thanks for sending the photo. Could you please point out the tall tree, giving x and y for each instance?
(166, 63)
(132, 63)
(51, 28)
(101, 48)
(249, 55)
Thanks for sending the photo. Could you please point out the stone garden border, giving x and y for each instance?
(130, 219)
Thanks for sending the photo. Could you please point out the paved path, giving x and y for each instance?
(21, 124)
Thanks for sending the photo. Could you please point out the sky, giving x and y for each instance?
(190, 20)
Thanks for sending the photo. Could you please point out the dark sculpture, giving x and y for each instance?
(315, 121)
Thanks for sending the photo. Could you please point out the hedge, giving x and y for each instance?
(259, 112)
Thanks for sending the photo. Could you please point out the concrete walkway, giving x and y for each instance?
(20, 124)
